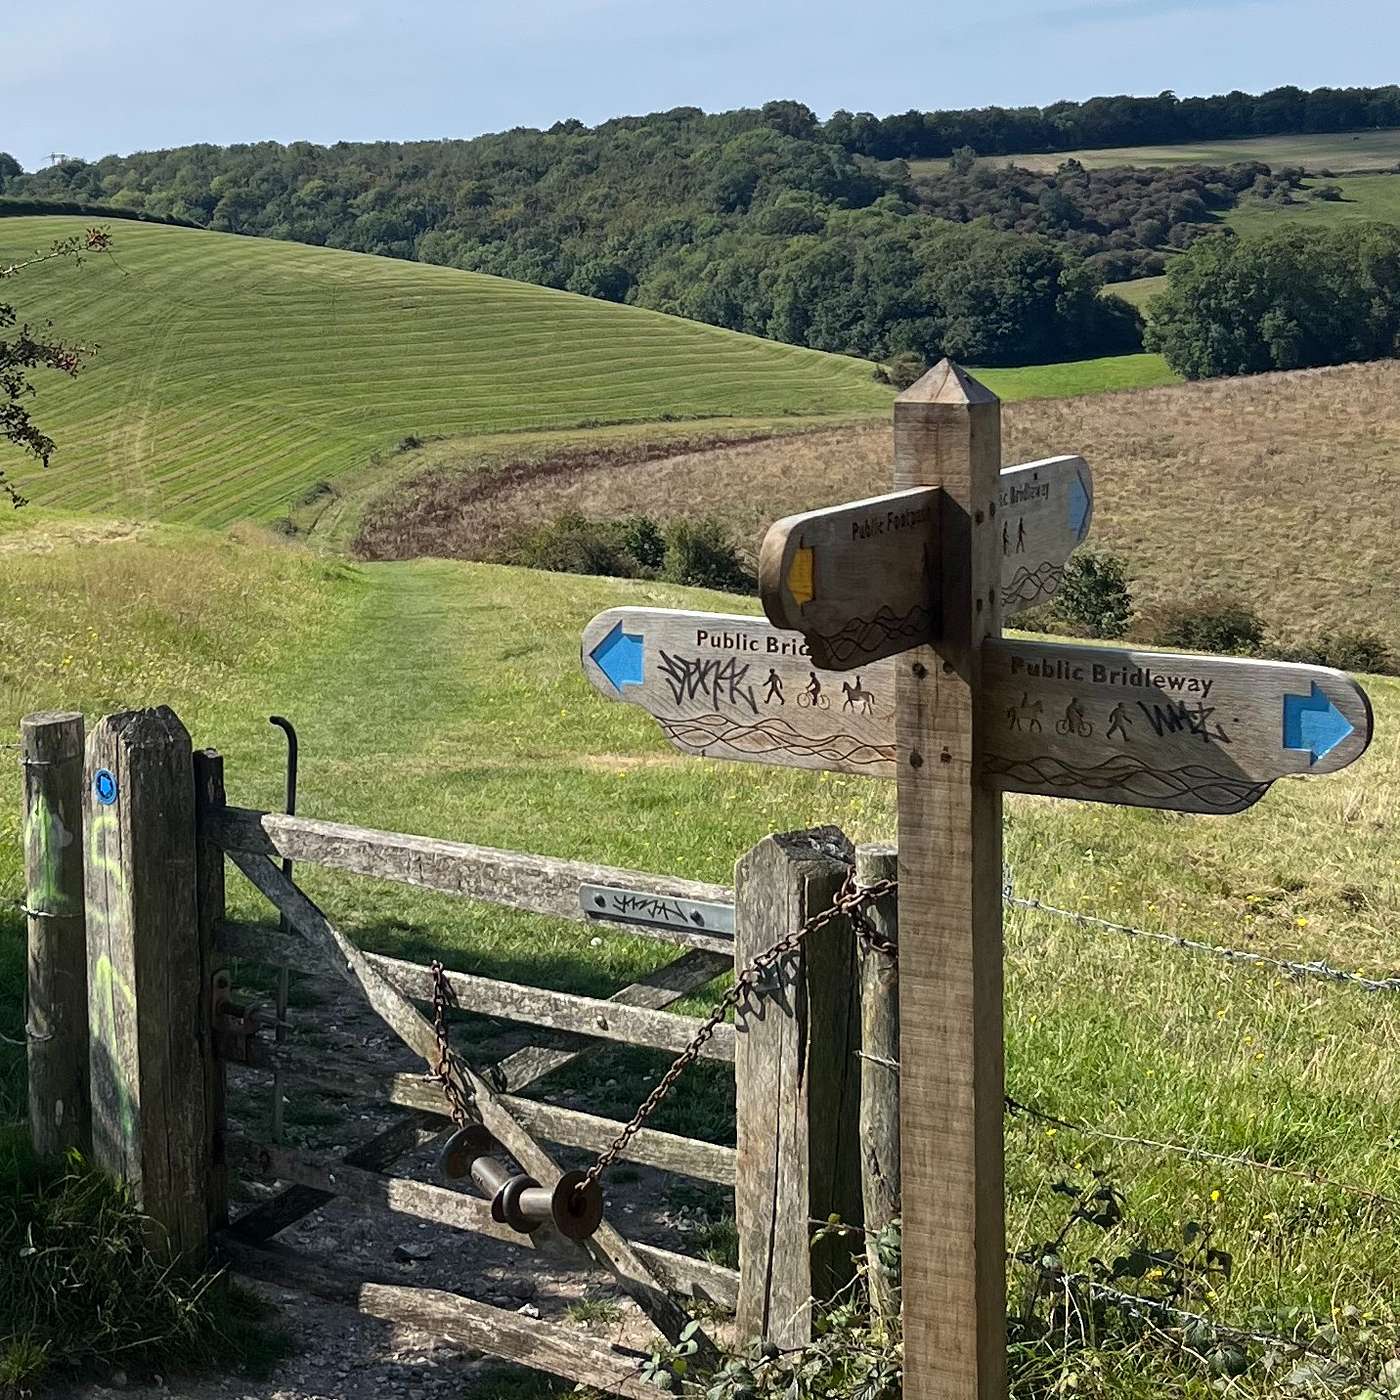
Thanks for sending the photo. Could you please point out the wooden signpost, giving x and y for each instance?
(857, 580)
(883, 655)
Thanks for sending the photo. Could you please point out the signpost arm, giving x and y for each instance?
(947, 430)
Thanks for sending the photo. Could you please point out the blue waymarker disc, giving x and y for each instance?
(104, 784)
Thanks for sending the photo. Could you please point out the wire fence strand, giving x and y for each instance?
(1319, 969)
(1200, 1154)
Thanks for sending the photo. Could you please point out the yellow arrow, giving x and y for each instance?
(799, 579)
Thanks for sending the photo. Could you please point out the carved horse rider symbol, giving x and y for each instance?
(857, 695)
(1026, 716)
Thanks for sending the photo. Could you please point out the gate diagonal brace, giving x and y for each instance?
(607, 1247)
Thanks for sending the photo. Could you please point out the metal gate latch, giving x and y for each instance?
(234, 1028)
(574, 1206)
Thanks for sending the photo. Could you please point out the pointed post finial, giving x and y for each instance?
(947, 383)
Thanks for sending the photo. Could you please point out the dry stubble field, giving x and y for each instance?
(1281, 491)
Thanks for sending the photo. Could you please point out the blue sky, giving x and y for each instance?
(88, 79)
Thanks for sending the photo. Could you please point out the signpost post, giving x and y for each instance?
(883, 655)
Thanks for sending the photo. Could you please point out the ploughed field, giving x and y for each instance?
(446, 698)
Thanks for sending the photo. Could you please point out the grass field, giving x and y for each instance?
(235, 373)
(447, 699)
(1340, 151)
(1207, 489)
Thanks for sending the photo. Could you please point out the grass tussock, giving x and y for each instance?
(83, 1289)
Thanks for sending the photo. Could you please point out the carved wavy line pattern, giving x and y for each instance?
(863, 635)
(1030, 585)
(1204, 785)
(770, 736)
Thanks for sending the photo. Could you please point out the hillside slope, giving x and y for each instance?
(235, 373)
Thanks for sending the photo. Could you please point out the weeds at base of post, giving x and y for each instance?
(83, 1294)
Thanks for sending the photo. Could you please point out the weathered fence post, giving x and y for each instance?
(145, 996)
(209, 894)
(51, 752)
(879, 1074)
(947, 433)
(797, 1082)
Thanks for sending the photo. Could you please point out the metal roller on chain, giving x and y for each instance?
(574, 1206)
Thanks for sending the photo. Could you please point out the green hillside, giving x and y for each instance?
(1340, 151)
(235, 372)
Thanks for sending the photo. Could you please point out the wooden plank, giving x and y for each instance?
(598, 1017)
(947, 431)
(1044, 515)
(541, 1346)
(539, 884)
(210, 904)
(725, 686)
(1158, 729)
(879, 1074)
(145, 1003)
(56, 1024)
(260, 1224)
(563, 1011)
(797, 1081)
(607, 1246)
(696, 1278)
(855, 580)
(689, 973)
(706, 1161)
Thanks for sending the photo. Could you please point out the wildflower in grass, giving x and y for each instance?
(1215, 1196)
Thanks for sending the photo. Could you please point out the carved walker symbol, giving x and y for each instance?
(774, 692)
(1119, 723)
(857, 694)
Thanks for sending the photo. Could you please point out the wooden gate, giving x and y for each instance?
(163, 1025)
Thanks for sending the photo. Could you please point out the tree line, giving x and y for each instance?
(749, 220)
(1115, 121)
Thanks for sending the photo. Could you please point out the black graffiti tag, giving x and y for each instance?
(1179, 717)
(721, 682)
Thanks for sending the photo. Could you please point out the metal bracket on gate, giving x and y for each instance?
(234, 1027)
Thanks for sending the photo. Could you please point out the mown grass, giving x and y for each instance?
(235, 373)
(447, 699)
(1345, 150)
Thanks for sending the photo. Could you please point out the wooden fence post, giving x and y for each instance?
(879, 1075)
(51, 752)
(145, 998)
(947, 433)
(209, 895)
(797, 1084)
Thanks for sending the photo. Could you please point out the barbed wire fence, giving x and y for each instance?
(1317, 969)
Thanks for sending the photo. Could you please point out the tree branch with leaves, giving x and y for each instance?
(25, 348)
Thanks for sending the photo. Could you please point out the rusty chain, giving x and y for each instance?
(460, 1100)
(851, 903)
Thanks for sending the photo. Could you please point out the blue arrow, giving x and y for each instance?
(619, 657)
(1079, 502)
(1313, 723)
